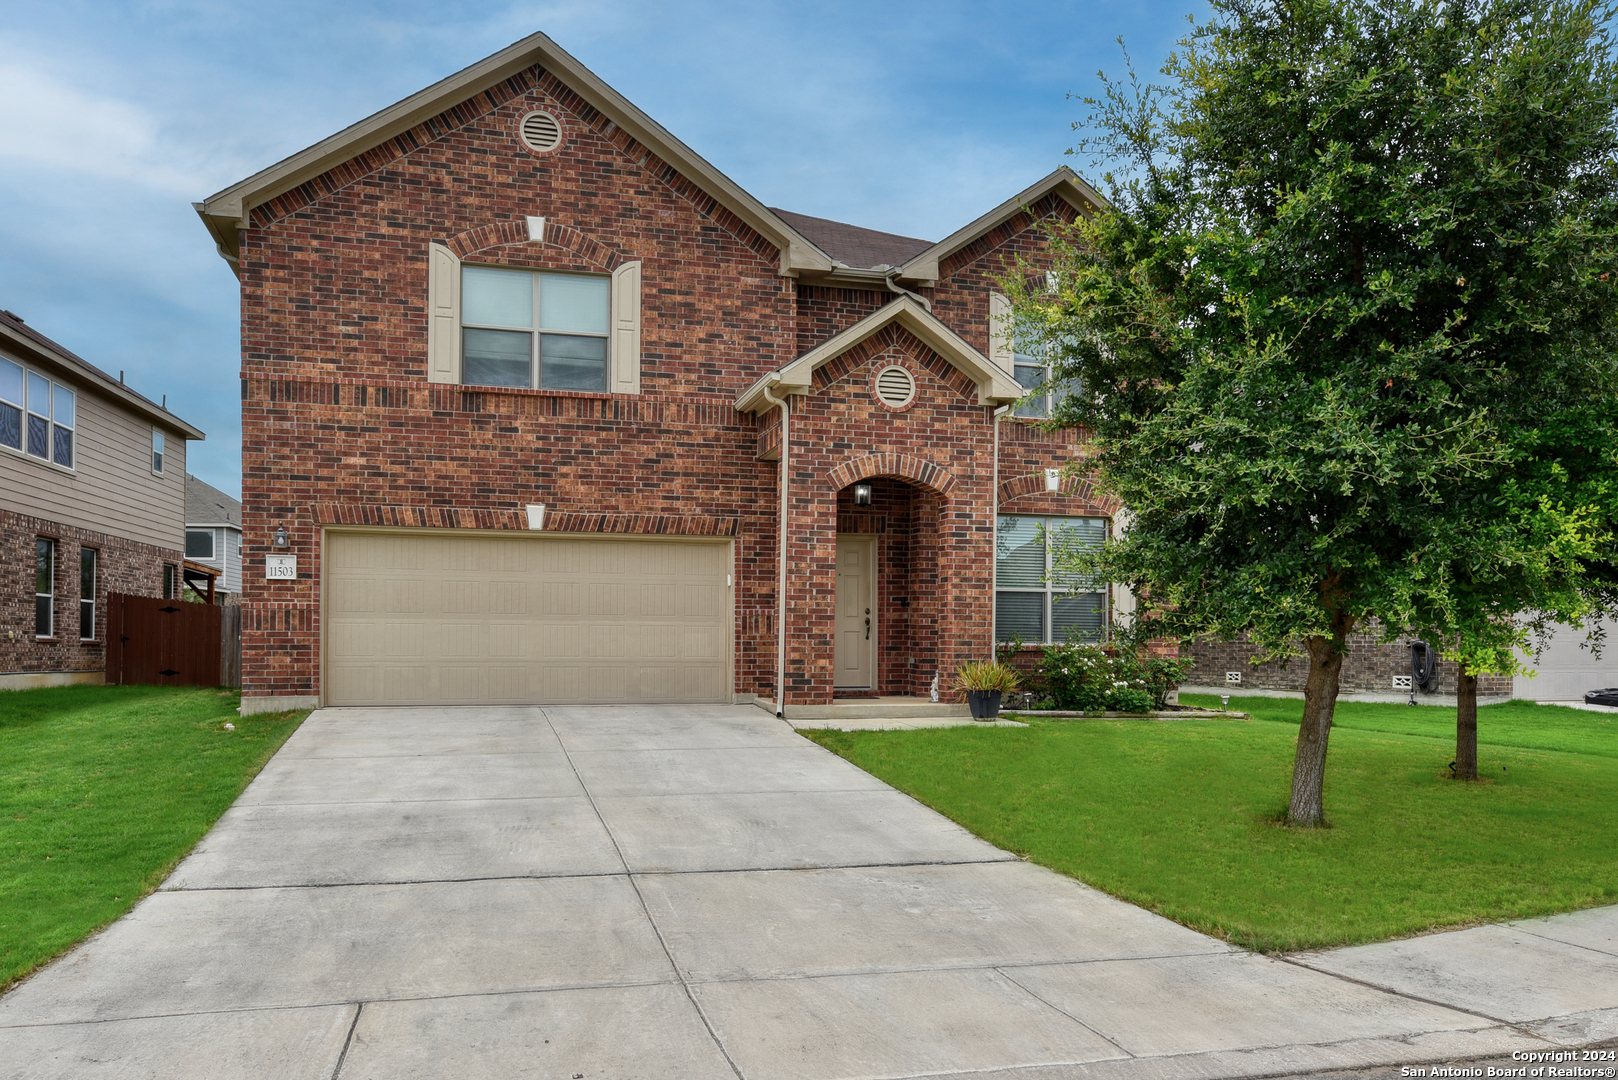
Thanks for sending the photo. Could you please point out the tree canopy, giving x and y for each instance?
(1357, 255)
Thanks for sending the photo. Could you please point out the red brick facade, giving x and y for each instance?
(123, 566)
(341, 426)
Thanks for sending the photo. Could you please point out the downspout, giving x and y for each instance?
(781, 558)
(892, 274)
(995, 416)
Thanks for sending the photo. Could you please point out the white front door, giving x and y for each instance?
(856, 614)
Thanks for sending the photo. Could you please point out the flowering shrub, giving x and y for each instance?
(1088, 678)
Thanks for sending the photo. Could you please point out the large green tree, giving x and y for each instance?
(1341, 238)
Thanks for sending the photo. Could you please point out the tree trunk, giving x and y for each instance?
(1466, 725)
(1319, 702)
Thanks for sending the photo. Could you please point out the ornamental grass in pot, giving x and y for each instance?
(983, 682)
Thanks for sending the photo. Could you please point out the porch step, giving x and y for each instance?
(879, 708)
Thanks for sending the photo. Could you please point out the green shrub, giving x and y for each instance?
(1093, 679)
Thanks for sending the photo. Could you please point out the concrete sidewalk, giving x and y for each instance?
(700, 892)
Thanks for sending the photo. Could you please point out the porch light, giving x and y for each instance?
(280, 536)
(862, 494)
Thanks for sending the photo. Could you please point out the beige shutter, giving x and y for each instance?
(1000, 349)
(443, 315)
(626, 329)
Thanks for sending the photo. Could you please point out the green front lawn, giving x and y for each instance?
(1182, 817)
(103, 789)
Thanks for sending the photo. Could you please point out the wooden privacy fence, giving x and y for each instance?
(172, 643)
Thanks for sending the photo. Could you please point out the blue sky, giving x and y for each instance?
(115, 117)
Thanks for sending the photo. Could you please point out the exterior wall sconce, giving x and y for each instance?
(1053, 479)
(862, 494)
(280, 540)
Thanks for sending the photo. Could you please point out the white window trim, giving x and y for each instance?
(95, 585)
(213, 544)
(159, 451)
(50, 634)
(25, 410)
(444, 322)
(1049, 590)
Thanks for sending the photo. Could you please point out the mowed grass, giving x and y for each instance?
(103, 789)
(1183, 817)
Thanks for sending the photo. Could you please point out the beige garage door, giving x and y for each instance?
(461, 619)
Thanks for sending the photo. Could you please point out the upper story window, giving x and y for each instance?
(37, 416)
(199, 543)
(1034, 373)
(157, 452)
(534, 329)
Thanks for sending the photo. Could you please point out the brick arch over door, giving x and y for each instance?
(1034, 484)
(501, 233)
(900, 466)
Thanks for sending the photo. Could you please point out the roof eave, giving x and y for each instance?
(101, 381)
(234, 203)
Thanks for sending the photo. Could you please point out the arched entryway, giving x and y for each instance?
(888, 589)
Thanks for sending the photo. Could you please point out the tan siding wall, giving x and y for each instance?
(111, 489)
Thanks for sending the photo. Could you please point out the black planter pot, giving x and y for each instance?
(985, 704)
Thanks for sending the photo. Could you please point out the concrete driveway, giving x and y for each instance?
(699, 892)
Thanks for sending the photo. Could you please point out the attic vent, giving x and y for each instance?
(541, 132)
(895, 387)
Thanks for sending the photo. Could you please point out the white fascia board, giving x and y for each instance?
(227, 210)
(995, 387)
(1064, 182)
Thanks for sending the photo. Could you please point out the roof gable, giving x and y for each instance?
(922, 268)
(226, 212)
(995, 387)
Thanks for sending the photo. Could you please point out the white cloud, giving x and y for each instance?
(55, 125)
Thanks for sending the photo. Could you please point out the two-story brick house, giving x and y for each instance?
(92, 501)
(547, 409)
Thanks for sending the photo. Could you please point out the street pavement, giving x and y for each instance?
(673, 892)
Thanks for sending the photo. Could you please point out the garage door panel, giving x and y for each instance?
(406, 596)
(462, 619)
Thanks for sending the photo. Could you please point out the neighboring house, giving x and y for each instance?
(92, 501)
(538, 406)
(213, 534)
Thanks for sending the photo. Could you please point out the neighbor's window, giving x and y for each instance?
(11, 400)
(87, 593)
(199, 543)
(44, 588)
(521, 328)
(51, 412)
(157, 451)
(170, 581)
(1033, 599)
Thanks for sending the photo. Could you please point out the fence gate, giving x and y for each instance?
(162, 642)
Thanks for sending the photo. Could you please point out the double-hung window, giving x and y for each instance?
(1035, 599)
(44, 587)
(534, 329)
(199, 543)
(157, 452)
(37, 416)
(1034, 373)
(87, 594)
(11, 404)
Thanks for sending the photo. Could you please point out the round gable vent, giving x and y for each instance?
(541, 132)
(895, 387)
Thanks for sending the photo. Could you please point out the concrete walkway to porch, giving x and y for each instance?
(700, 892)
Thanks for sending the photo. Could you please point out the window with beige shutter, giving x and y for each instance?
(507, 326)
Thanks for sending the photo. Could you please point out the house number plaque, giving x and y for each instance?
(280, 568)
